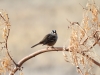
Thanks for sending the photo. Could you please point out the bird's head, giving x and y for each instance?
(53, 32)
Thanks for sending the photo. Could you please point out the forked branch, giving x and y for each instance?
(22, 61)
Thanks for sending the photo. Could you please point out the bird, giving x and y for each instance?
(49, 39)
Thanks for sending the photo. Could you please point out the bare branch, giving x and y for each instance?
(22, 61)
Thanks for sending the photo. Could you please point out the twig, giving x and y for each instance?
(94, 61)
(79, 70)
(6, 46)
(6, 39)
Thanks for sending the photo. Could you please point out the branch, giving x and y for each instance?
(6, 46)
(22, 61)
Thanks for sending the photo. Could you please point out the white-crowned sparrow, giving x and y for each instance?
(49, 40)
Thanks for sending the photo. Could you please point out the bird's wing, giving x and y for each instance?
(45, 39)
(48, 38)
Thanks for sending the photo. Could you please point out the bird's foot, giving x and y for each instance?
(51, 48)
(47, 48)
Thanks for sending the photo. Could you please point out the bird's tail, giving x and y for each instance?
(35, 45)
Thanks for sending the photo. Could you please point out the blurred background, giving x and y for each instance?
(30, 21)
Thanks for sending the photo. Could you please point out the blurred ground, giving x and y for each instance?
(31, 20)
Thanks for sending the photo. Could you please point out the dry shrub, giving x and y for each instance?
(84, 37)
(5, 61)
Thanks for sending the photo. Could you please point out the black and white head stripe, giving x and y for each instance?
(54, 31)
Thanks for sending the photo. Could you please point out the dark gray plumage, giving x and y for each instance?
(49, 40)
